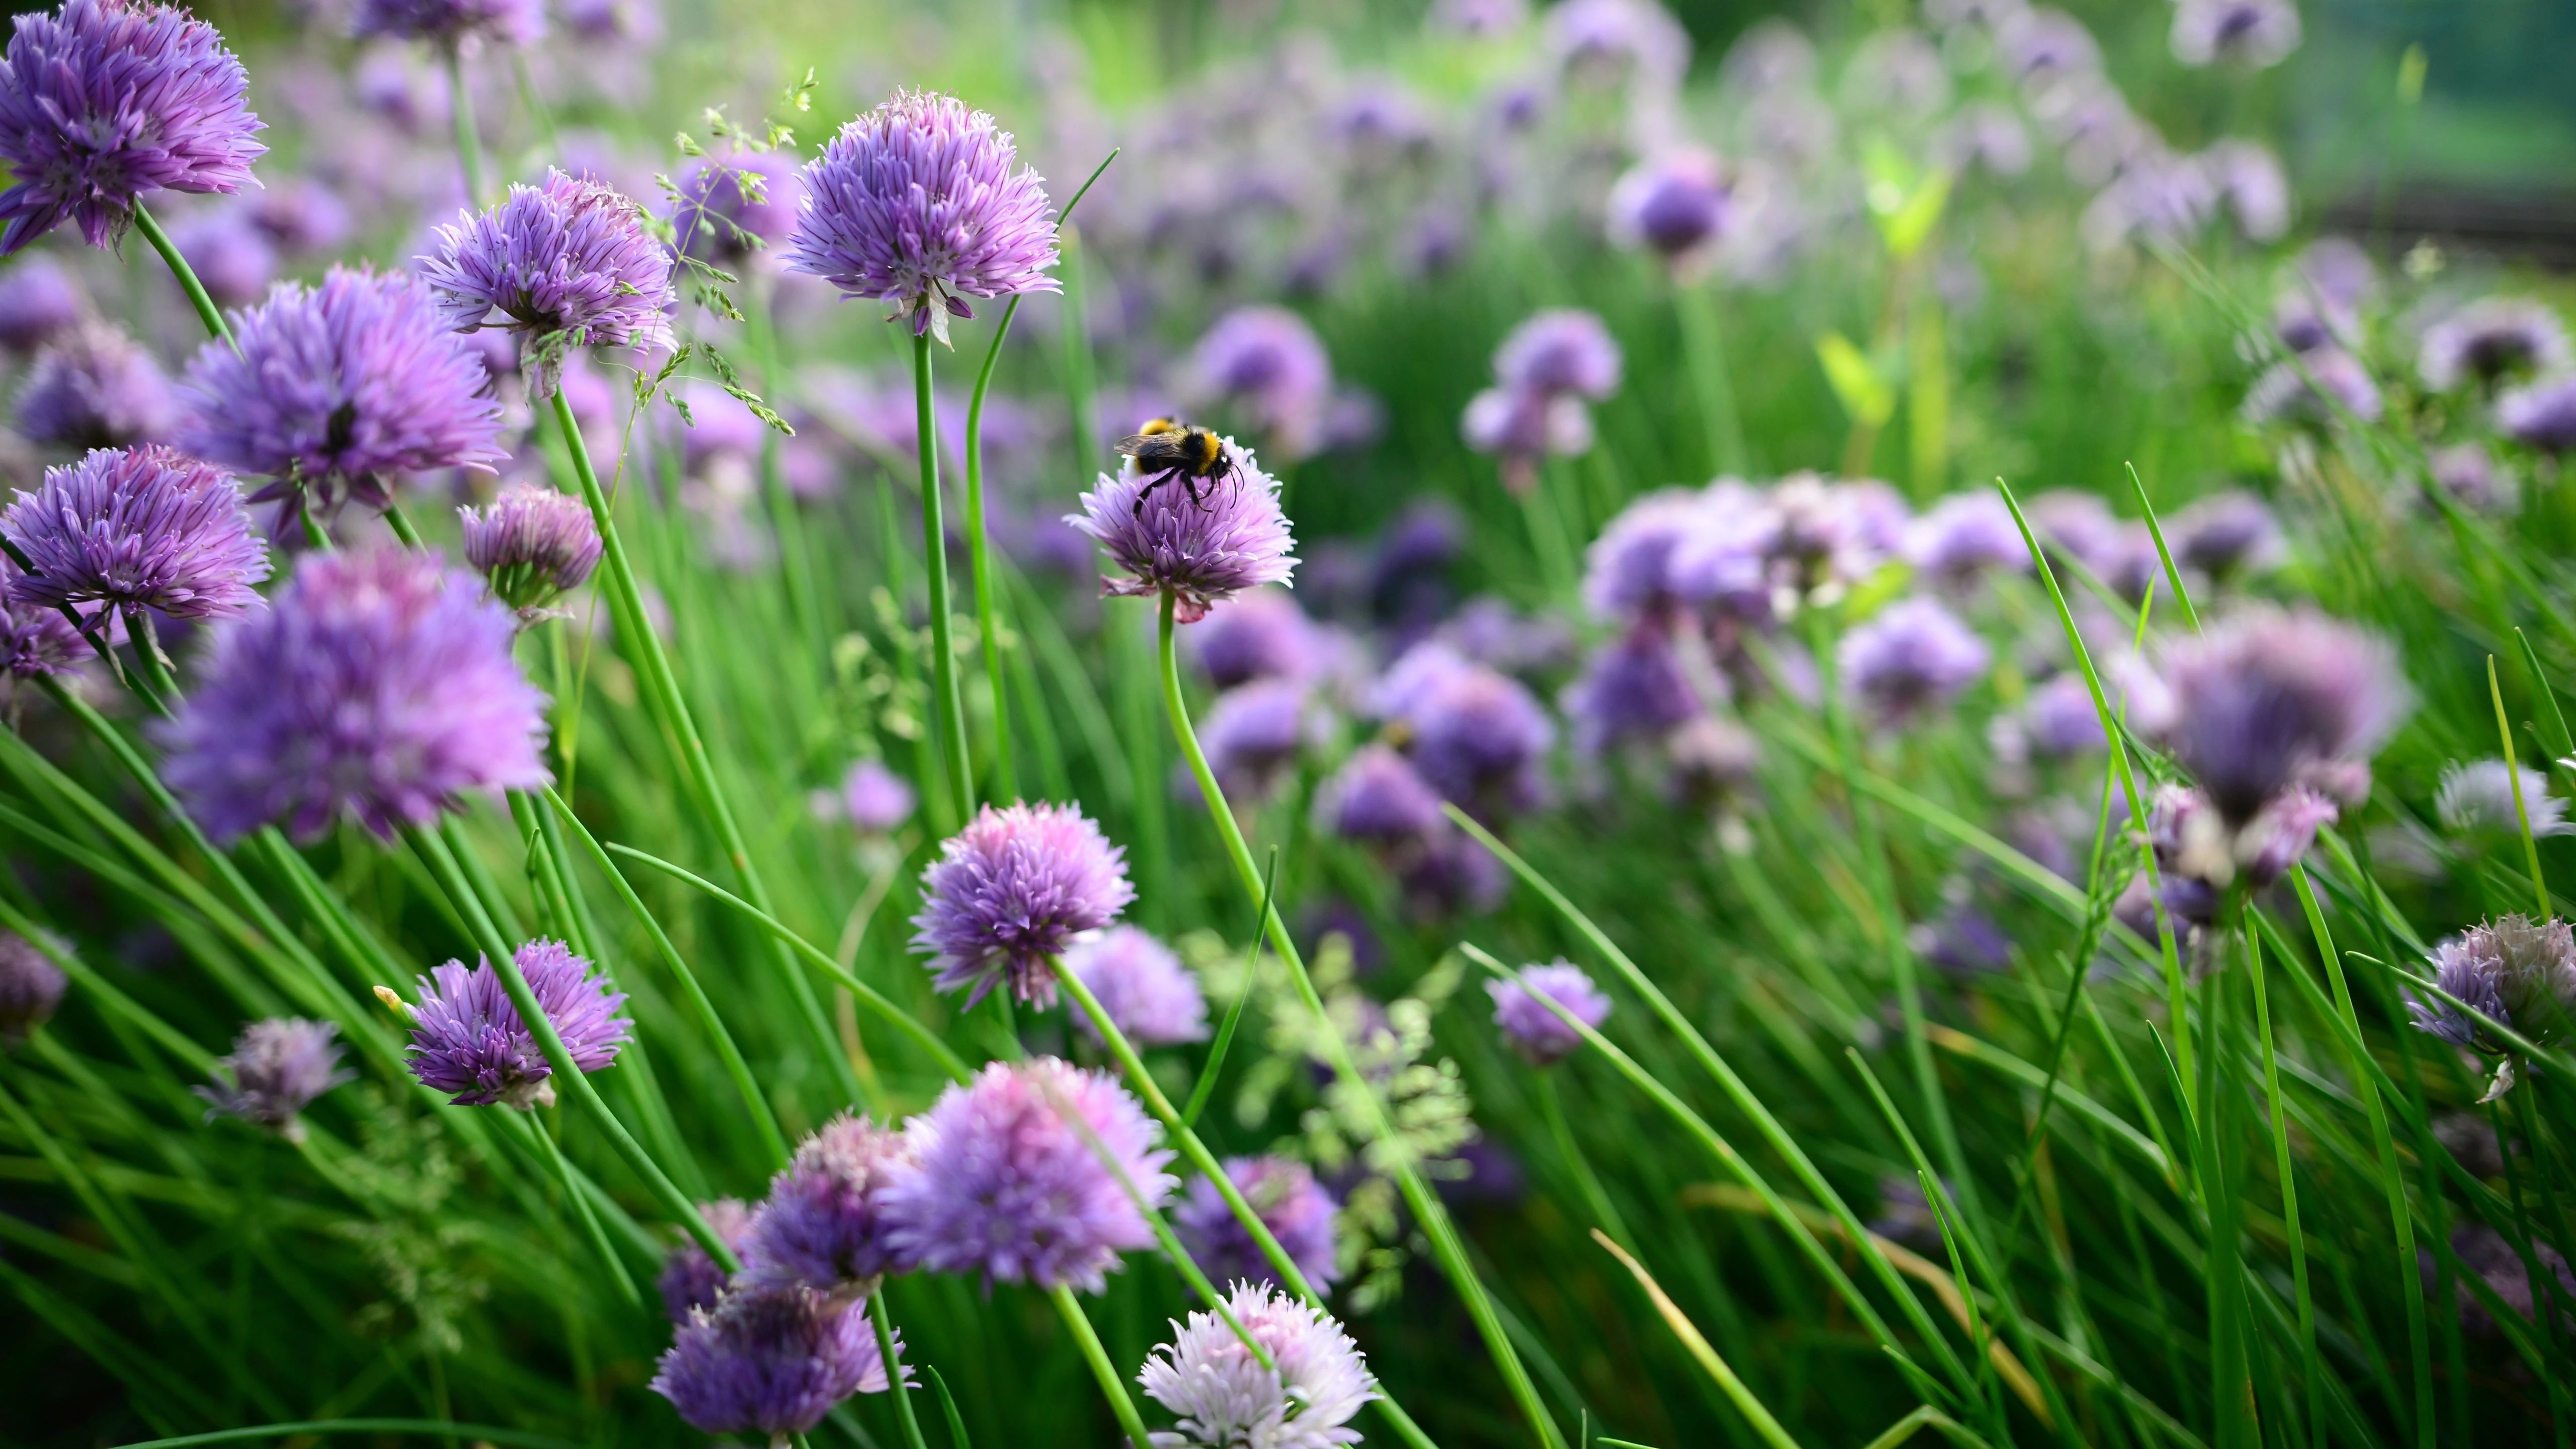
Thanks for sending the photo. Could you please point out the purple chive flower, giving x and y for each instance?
(2270, 701)
(729, 208)
(1628, 570)
(335, 392)
(302, 217)
(379, 686)
(1536, 1032)
(1632, 688)
(2477, 800)
(451, 22)
(1223, 1396)
(1200, 552)
(1450, 875)
(137, 528)
(233, 259)
(1150, 996)
(1011, 890)
(1963, 943)
(2499, 1264)
(1913, 658)
(2040, 44)
(101, 102)
(2520, 973)
(2489, 338)
(770, 1361)
(1963, 536)
(31, 986)
(2284, 393)
(1675, 205)
(1984, 135)
(916, 203)
(1618, 42)
(1253, 733)
(531, 543)
(1006, 1186)
(2224, 534)
(1271, 366)
(2255, 33)
(1524, 429)
(874, 799)
(1561, 350)
(95, 388)
(2541, 414)
(277, 1067)
(1827, 532)
(2474, 479)
(824, 1223)
(690, 1279)
(567, 264)
(1481, 739)
(1377, 796)
(34, 640)
(1261, 634)
(39, 301)
(2060, 722)
(467, 1038)
(1283, 1193)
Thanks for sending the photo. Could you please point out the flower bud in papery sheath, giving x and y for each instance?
(468, 1039)
(1203, 549)
(567, 264)
(824, 1222)
(1305, 1399)
(277, 1067)
(335, 392)
(31, 986)
(1536, 1032)
(531, 543)
(917, 203)
(770, 1361)
(1006, 1186)
(138, 528)
(378, 687)
(103, 101)
(689, 1277)
(1283, 1193)
(1011, 890)
(1141, 984)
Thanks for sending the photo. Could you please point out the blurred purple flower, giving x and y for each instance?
(1011, 890)
(2489, 338)
(2285, 394)
(1628, 569)
(39, 302)
(2255, 33)
(468, 1039)
(2225, 534)
(135, 529)
(874, 799)
(1964, 535)
(1268, 363)
(379, 686)
(531, 543)
(568, 264)
(1481, 740)
(94, 387)
(1378, 797)
(451, 23)
(302, 216)
(276, 1069)
(2474, 479)
(689, 1278)
(1632, 688)
(102, 102)
(232, 258)
(772, 1361)
(1200, 552)
(1525, 429)
(31, 986)
(2521, 973)
(1450, 875)
(1283, 1193)
(1252, 733)
(2059, 719)
(2541, 414)
(1915, 656)
(1560, 350)
(1675, 204)
(2250, 184)
(1531, 1027)
(824, 1223)
(1005, 1185)
(1150, 996)
(1617, 42)
(1259, 634)
(720, 220)
(2272, 700)
(34, 640)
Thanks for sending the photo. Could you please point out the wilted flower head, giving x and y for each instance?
(1149, 995)
(875, 799)
(1378, 796)
(1011, 890)
(2286, 394)
(276, 1068)
(1253, 733)
(770, 1360)
(2489, 338)
(1283, 1193)
(95, 388)
(824, 1223)
(452, 22)
(1008, 1186)
(1964, 535)
(916, 203)
(531, 543)
(1675, 205)
(1560, 350)
(1633, 688)
(2521, 973)
(566, 264)
(138, 528)
(337, 391)
(379, 686)
(2541, 414)
(1225, 1398)
(689, 1277)
(1912, 658)
(731, 207)
(2256, 33)
(2477, 799)
(2224, 534)
(1536, 1032)
(1260, 634)
(31, 986)
(1202, 552)
(1271, 366)
(39, 301)
(2271, 700)
(101, 102)
(469, 1039)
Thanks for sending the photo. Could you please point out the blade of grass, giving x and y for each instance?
(1766, 1427)
(1205, 1087)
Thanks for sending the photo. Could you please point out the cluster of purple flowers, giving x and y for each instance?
(1546, 375)
(276, 1069)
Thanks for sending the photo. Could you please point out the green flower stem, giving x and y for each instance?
(1553, 1109)
(1112, 1386)
(887, 1353)
(207, 311)
(2513, 772)
(803, 600)
(1703, 342)
(469, 147)
(589, 1217)
(567, 1077)
(1426, 1208)
(662, 688)
(988, 609)
(947, 707)
(2313, 1369)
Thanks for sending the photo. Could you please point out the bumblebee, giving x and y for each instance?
(1167, 450)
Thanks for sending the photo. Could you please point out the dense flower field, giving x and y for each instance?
(1829, 745)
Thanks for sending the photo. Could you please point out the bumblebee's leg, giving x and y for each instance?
(1158, 480)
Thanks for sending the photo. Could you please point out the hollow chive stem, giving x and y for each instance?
(886, 1351)
(1112, 1387)
(469, 146)
(979, 563)
(207, 311)
(1426, 1208)
(947, 707)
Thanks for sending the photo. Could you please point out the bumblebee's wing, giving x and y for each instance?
(1134, 443)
